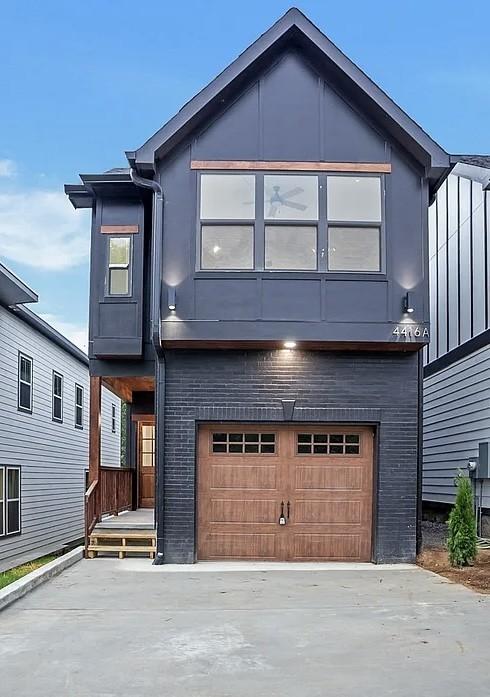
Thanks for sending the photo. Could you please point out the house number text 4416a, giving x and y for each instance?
(412, 330)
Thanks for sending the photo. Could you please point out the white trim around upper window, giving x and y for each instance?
(24, 384)
(57, 397)
(79, 411)
(6, 501)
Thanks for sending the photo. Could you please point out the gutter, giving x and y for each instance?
(156, 256)
(155, 328)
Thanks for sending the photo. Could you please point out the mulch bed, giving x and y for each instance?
(476, 577)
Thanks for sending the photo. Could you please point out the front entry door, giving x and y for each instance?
(285, 492)
(146, 464)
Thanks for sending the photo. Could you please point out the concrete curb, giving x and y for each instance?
(27, 583)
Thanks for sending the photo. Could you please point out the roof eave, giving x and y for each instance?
(93, 185)
(50, 333)
(13, 291)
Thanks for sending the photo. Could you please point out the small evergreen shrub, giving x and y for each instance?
(461, 542)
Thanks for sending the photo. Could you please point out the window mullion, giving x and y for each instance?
(259, 232)
(322, 224)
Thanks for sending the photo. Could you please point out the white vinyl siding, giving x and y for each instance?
(456, 419)
(52, 456)
(110, 445)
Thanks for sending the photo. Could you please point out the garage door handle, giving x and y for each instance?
(289, 509)
(282, 519)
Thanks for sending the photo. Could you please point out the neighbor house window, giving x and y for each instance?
(57, 397)
(354, 208)
(290, 222)
(119, 260)
(24, 388)
(9, 500)
(113, 418)
(78, 406)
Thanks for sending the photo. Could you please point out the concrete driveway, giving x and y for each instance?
(108, 627)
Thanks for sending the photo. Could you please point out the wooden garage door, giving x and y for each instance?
(319, 478)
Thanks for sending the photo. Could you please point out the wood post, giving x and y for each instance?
(94, 430)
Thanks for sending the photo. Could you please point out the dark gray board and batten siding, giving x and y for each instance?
(320, 125)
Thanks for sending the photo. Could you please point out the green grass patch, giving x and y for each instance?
(17, 572)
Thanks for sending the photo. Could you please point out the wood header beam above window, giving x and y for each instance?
(119, 229)
(257, 165)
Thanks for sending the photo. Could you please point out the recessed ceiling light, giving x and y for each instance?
(290, 344)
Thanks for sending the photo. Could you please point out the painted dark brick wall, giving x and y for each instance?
(327, 386)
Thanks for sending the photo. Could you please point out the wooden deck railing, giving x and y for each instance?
(116, 490)
(111, 494)
(91, 507)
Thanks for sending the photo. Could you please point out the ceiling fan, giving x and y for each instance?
(276, 200)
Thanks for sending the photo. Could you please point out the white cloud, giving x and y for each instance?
(77, 334)
(41, 229)
(7, 168)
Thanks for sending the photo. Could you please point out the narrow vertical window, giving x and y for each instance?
(24, 392)
(78, 406)
(118, 272)
(113, 418)
(13, 500)
(9, 500)
(2, 501)
(57, 401)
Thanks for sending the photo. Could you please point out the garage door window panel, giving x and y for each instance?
(328, 444)
(235, 443)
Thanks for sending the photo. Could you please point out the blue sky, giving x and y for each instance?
(82, 83)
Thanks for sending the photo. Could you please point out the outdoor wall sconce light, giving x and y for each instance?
(408, 304)
(172, 299)
(290, 344)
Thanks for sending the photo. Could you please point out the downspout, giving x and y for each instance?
(155, 328)
(420, 447)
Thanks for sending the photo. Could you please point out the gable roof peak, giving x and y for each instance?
(294, 28)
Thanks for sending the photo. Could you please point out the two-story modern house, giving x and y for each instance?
(457, 370)
(259, 274)
(44, 391)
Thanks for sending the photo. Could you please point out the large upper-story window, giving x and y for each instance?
(290, 222)
(354, 223)
(228, 217)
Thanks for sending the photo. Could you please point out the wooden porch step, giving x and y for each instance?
(128, 534)
(116, 541)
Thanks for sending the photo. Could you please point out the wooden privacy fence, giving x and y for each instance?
(108, 495)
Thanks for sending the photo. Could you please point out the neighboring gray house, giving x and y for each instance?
(457, 371)
(43, 430)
